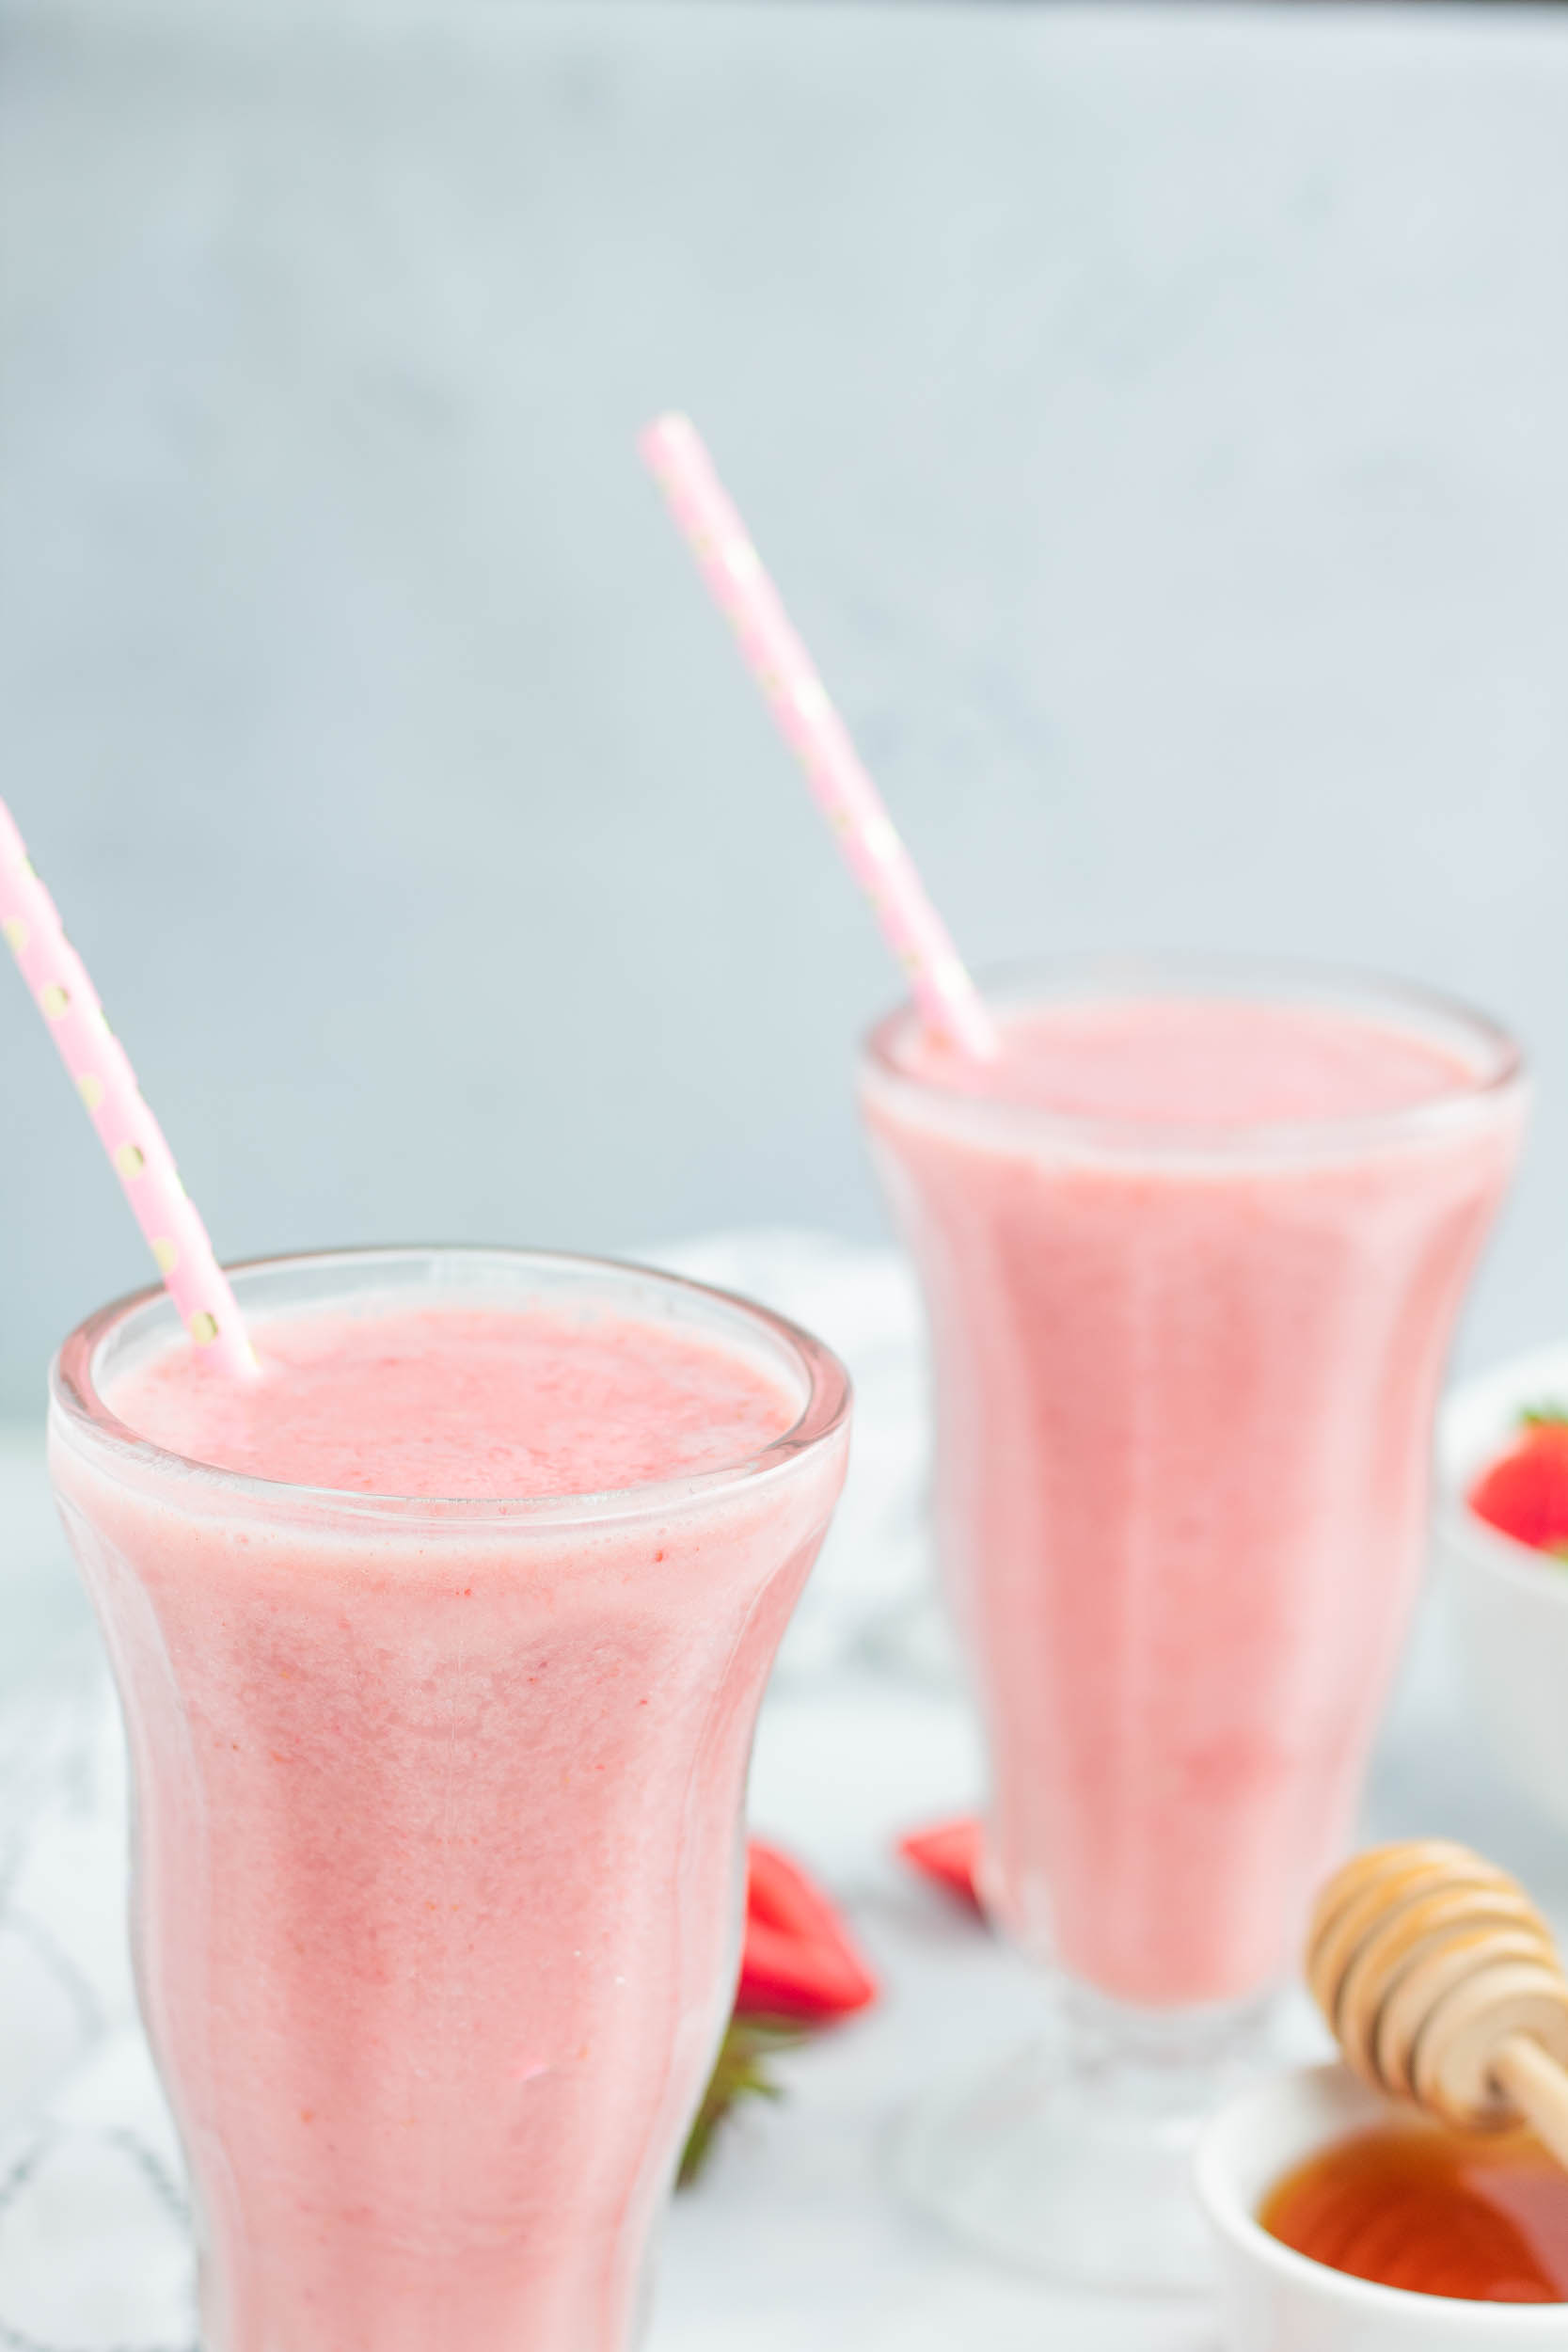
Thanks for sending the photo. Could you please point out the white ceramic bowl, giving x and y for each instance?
(1510, 1605)
(1273, 2301)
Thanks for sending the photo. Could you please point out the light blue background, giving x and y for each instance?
(1155, 419)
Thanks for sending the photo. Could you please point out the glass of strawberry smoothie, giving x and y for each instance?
(440, 1648)
(1191, 1250)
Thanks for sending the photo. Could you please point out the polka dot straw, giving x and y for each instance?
(946, 998)
(60, 988)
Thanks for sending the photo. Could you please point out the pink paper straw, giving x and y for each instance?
(947, 999)
(141, 1159)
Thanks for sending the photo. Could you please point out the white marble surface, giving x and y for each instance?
(1154, 414)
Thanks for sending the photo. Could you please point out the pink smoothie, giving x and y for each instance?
(438, 1801)
(1191, 1266)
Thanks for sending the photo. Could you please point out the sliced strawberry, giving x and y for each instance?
(1525, 1493)
(948, 1852)
(797, 1960)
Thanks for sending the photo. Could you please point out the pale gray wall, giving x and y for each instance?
(1157, 421)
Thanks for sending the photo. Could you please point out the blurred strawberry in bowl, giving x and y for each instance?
(1523, 1493)
(1502, 1535)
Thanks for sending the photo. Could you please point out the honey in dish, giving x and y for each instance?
(1481, 2217)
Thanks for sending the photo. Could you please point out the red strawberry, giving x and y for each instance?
(797, 1960)
(1525, 1493)
(949, 1852)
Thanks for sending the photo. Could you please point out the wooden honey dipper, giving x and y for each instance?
(1441, 1983)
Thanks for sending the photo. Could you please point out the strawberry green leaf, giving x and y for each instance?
(741, 2073)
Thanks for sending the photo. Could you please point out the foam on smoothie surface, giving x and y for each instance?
(1198, 1062)
(460, 1401)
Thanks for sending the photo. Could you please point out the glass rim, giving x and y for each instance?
(76, 1397)
(1500, 1069)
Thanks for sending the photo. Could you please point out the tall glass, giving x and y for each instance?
(1185, 1377)
(438, 1816)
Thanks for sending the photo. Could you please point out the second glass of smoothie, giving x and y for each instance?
(440, 1648)
(1191, 1250)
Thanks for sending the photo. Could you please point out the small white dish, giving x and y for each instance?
(1510, 1605)
(1274, 2300)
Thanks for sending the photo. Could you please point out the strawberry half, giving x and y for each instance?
(948, 1852)
(797, 1960)
(1525, 1493)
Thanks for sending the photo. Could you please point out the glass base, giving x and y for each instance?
(1072, 2160)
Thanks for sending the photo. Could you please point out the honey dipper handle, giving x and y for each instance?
(1538, 2088)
